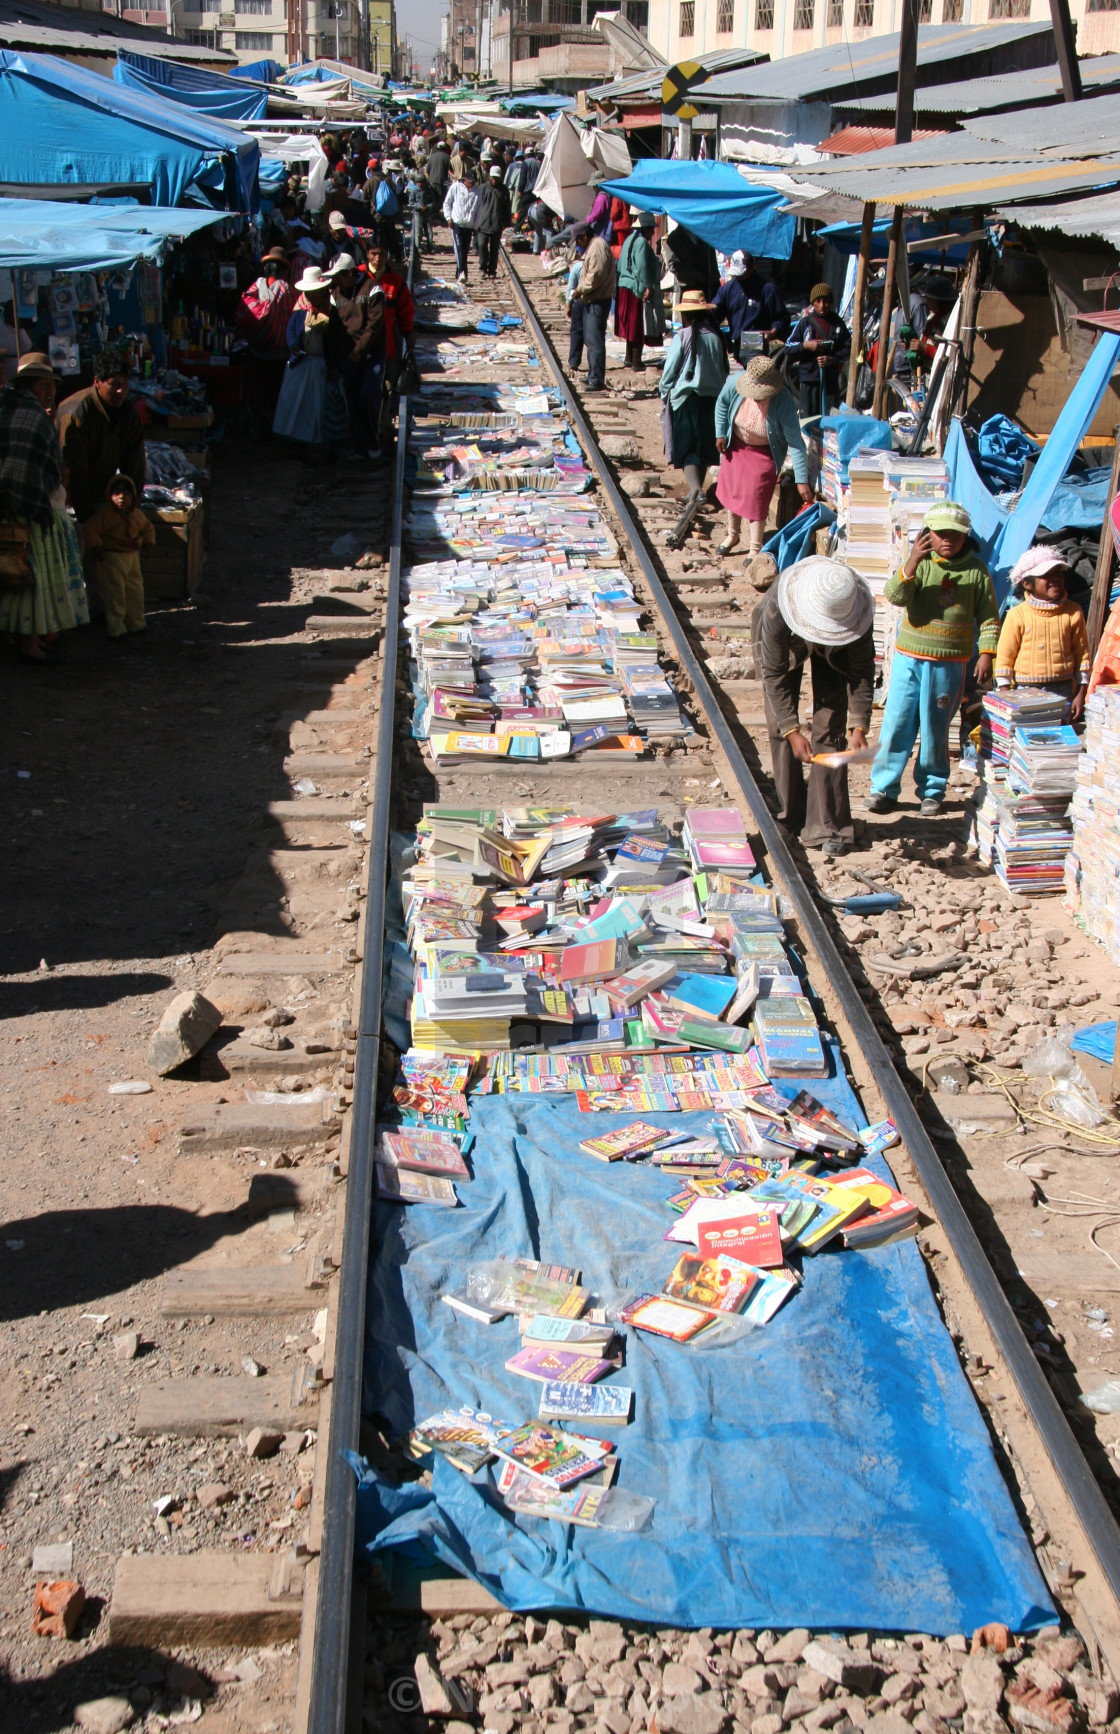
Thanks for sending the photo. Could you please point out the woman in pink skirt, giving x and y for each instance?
(756, 425)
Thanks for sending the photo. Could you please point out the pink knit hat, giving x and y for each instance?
(1034, 563)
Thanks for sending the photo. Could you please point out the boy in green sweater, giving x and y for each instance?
(947, 593)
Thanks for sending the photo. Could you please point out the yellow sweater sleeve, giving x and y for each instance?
(1010, 638)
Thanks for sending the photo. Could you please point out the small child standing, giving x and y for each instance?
(117, 533)
(947, 593)
(1043, 643)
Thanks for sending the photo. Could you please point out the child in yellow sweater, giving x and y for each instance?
(1042, 642)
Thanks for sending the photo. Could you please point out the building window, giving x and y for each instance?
(865, 15)
(835, 14)
(255, 39)
(725, 17)
(925, 11)
(688, 18)
(764, 15)
(261, 8)
(205, 5)
(1009, 8)
(952, 11)
(803, 14)
(200, 38)
(1102, 5)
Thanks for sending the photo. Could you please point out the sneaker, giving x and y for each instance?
(880, 803)
(930, 807)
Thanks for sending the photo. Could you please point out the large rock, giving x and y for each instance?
(185, 1027)
(691, 1716)
(104, 1715)
(623, 448)
(842, 1665)
(982, 1682)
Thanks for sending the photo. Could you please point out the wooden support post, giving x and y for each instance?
(1065, 42)
(966, 330)
(885, 344)
(858, 299)
(907, 72)
(1102, 577)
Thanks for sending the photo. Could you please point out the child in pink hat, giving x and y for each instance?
(1043, 642)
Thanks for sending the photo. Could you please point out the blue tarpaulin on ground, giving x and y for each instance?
(1001, 535)
(832, 1469)
(1096, 1039)
(51, 235)
(711, 200)
(1079, 501)
(64, 125)
(193, 86)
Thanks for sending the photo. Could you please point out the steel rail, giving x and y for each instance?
(1074, 1473)
(331, 1639)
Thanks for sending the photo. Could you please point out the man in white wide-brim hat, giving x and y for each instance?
(819, 612)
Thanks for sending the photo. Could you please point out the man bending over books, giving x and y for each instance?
(819, 612)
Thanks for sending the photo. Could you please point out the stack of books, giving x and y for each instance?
(1093, 864)
(1006, 710)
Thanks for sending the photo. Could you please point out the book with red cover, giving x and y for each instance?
(595, 962)
(753, 1240)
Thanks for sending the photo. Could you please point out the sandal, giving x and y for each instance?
(728, 545)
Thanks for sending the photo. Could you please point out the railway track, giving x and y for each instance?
(1039, 1454)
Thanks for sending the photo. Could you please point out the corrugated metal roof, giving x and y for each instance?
(60, 30)
(855, 141)
(649, 83)
(842, 71)
(1086, 128)
(1040, 84)
(959, 170)
(1078, 217)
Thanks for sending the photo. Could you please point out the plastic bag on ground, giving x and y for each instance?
(1105, 1400)
(1051, 1057)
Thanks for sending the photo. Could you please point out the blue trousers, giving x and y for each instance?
(922, 697)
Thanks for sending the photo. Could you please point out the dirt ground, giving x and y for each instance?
(134, 790)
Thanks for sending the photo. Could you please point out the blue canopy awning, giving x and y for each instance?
(845, 238)
(193, 86)
(261, 71)
(65, 125)
(713, 201)
(47, 235)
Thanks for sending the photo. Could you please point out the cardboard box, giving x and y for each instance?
(173, 568)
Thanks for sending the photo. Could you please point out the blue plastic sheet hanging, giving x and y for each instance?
(795, 539)
(1003, 536)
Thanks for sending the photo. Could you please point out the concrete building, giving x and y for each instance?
(684, 29)
(553, 44)
(292, 30)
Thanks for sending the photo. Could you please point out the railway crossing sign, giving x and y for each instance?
(678, 82)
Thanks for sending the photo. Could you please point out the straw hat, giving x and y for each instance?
(312, 279)
(275, 255)
(34, 365)
(1033, 564)
(949, 517)
(760, 379)
(693, 301)
(825, 602)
